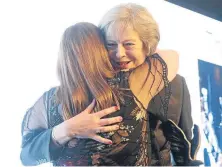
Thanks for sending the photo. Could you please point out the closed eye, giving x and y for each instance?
(111, 44)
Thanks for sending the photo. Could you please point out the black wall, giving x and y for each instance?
(209, 8)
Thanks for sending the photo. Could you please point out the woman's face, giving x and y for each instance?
(125, 48)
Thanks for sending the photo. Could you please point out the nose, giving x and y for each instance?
(120, 52)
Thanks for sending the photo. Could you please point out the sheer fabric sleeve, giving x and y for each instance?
(37, 146)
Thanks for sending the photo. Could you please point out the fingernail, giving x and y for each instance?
(110, 142)
(120, 118)
(116, 108)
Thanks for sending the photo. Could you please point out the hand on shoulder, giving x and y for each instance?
(171, 57)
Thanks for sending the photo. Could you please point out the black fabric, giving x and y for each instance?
(138, 142)
(180, 146)
(134, 143)
(195, 142)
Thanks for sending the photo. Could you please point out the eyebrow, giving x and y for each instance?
(131, 40)
(127, 40)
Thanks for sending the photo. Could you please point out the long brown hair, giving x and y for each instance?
(83, 67)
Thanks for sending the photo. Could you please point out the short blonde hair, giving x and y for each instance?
(138, 18)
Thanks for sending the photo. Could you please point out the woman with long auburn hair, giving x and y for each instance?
(83, 67)
(69, 110)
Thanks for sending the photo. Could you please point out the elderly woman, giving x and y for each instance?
(54, 128)
(132, 36)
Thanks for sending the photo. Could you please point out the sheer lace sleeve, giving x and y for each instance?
(35, 117)
(36, 135)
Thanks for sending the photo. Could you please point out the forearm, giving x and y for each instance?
(44, 145)
(61, 133)
(36, 148)
(37, 144)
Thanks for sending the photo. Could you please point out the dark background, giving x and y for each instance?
(209, 8)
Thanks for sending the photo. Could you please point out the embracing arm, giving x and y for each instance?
(37, 144)
(171, 59)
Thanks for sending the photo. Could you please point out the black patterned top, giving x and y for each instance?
(131, 143)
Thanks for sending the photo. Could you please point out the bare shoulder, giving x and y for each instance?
(171, 58)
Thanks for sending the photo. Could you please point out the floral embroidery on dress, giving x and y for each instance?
(95, 159)
(139, 112)
(131, 143)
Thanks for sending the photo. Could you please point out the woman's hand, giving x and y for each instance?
(88, 125)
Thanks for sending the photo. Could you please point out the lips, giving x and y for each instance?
(121, 65)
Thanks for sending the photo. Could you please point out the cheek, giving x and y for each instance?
(142, 58)
(136, 56)
(131, 55)
(142, 55)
